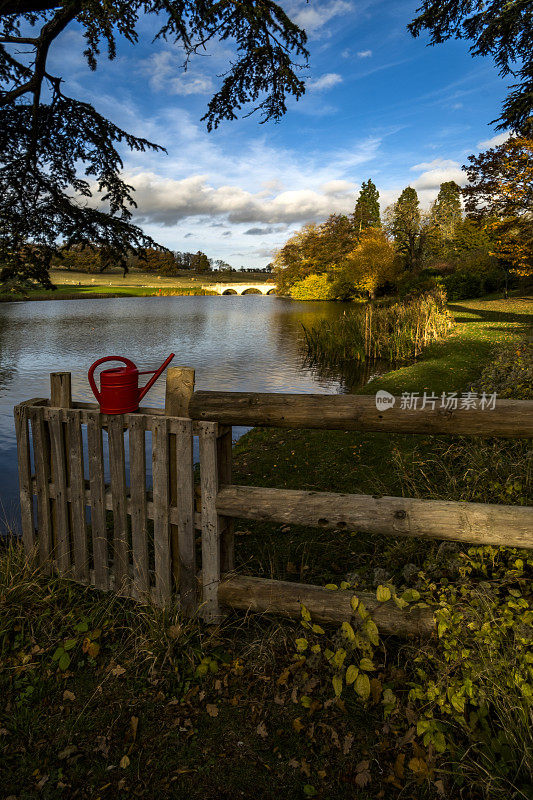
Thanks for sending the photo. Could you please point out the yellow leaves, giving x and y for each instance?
(301, 645)
(383, 594)
(367, 665)
(338, 658)
(337, 685)
(331, 586)
(317, 629)
(351, 674)
(354, 602)
(348, 631)
(306, 615)
(124, 762)
(371, 630)
(362, 686)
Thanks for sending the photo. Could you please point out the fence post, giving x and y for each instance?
(210, 521)
(60, 397)
(25, 487)
(179, 389)
(224, 458)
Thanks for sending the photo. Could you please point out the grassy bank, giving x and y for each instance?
(151, 706)
(72, 285)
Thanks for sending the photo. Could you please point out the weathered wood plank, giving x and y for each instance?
(97, 498)
(286, 598)
(475, 523)
(160, 473)
(185, 527)
(117, 469)
(25, 485)
(509, 418)
(179, 389)
(80, 550)
(59, 472)
(60, 390)
(210, 521)
(41, 455)
(224, 458)
(139, 529)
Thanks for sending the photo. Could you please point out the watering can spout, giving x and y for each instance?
(155, 376)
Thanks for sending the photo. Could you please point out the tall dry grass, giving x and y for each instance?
(397, 332)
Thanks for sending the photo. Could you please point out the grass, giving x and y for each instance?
(240, 731)
(393, 332)
(73, 285)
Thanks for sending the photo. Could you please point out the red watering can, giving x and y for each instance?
(119, 387)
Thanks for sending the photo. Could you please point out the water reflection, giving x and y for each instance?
(248, 343)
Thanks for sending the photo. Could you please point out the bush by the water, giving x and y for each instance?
(395, 332)
(313, 287)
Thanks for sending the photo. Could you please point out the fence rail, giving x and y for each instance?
(149, 549)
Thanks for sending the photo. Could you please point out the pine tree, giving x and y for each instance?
(407, 228)
(366, 213)
(446, 212)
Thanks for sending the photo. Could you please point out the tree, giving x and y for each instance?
(57, 152)
(370, 265)
(200, 262)
(405, 223)
(502, 30)
(366, 213)
(446, 211)
(500, 192)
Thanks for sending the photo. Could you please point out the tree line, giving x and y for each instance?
(362, 254)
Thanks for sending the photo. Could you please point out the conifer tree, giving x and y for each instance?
(406, 226)
(366, 213)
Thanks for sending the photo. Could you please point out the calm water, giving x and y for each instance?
(239, 343)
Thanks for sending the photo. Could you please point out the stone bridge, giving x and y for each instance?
(261, 287)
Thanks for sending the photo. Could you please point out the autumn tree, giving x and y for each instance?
(366, 213)
(371, 264)
(500, 193)
(314, 250)
(501, 30)
(60, 160)
(406, 225)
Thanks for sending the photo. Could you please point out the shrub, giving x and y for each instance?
(314, 287)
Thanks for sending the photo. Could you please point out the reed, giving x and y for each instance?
(397, 332)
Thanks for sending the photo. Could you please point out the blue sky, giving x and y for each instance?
(379, 104)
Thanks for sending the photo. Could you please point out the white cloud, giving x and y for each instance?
(162, 68)
(324, 82)
(364, 54)
(500, 138)
(312, 19)
(436, 172)
(166, 201)
(437, 163)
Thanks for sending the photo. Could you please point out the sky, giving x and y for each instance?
(379, 104)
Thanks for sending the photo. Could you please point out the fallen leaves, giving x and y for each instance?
(212, 710)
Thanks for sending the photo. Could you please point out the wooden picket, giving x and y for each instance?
(97, 531)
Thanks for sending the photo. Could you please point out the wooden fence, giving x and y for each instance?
(149, 548)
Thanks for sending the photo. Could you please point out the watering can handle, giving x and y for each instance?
(155, 376)
(90, 375)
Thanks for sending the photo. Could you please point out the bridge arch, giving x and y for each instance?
(229, 291)
(271, 291)
(252, 290)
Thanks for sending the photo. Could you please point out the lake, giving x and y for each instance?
(235, 343)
